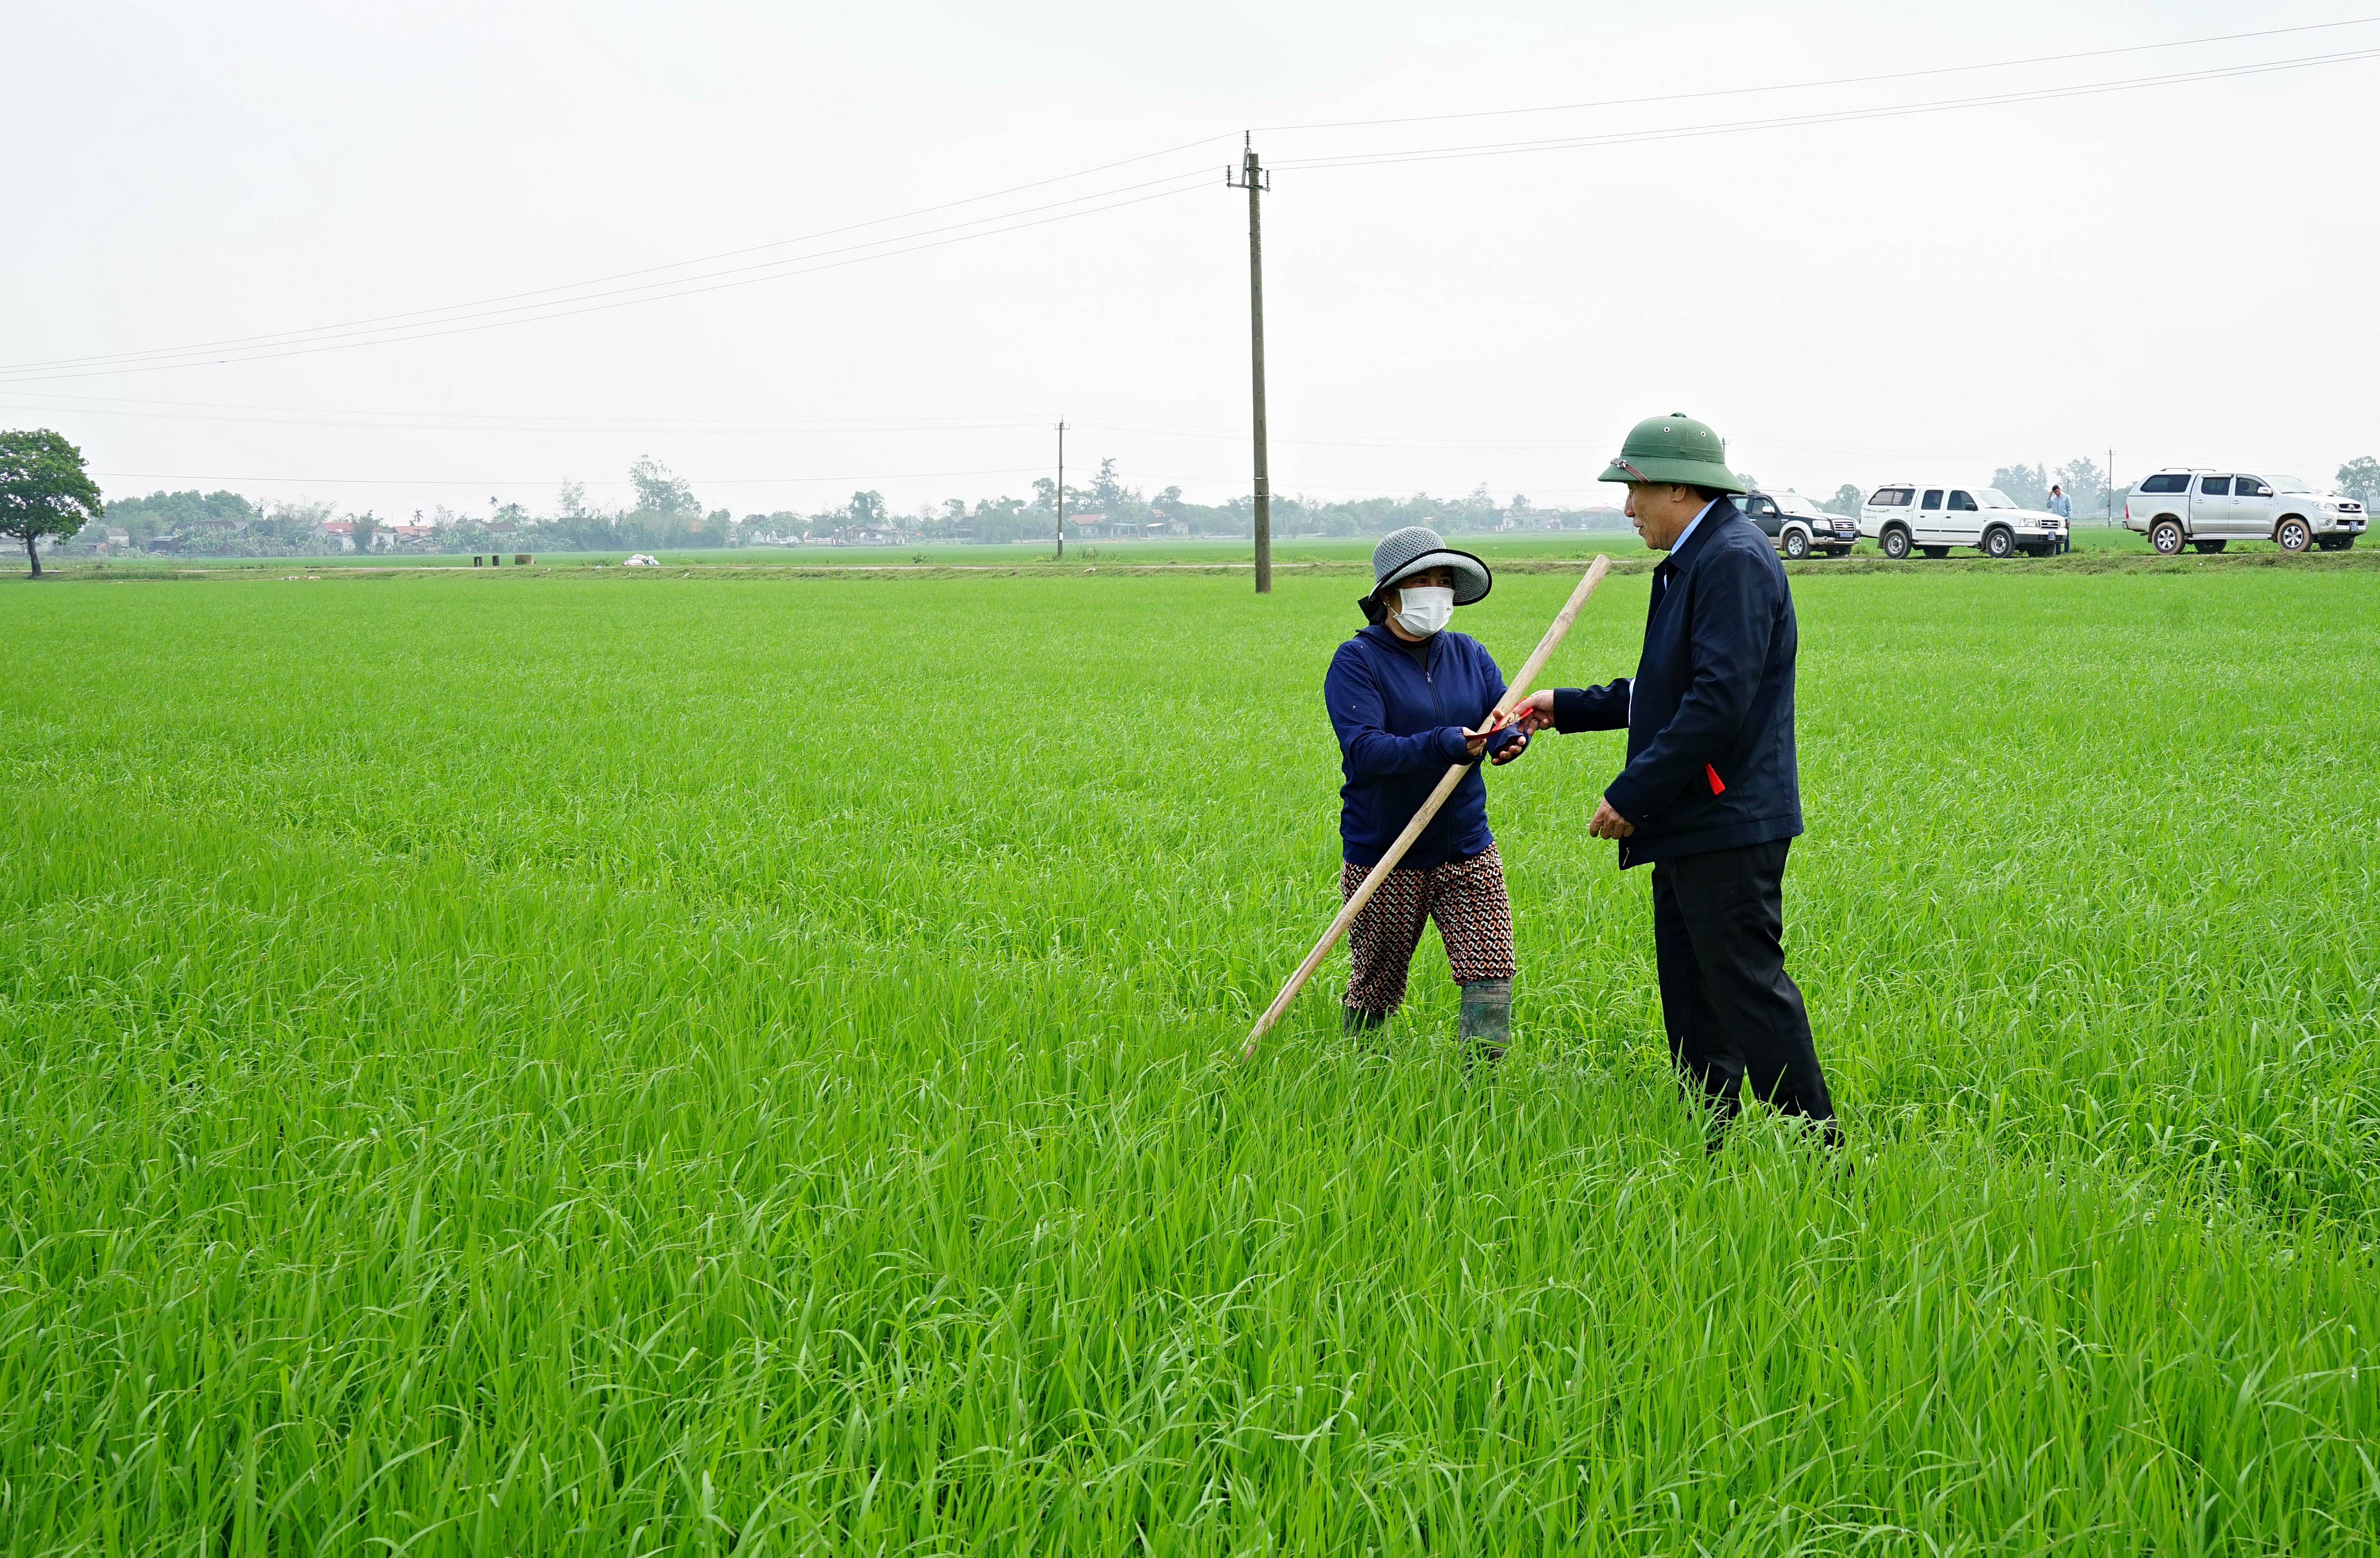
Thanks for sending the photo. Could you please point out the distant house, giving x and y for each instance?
(116, 540)
(392, 538)
(340, 533)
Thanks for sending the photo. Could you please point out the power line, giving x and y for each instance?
(1830, 81)
(282, 335)
(551, 480)
(131, 363)
(1845, 115)
(382, 330)
(987, 423)
(545, 425)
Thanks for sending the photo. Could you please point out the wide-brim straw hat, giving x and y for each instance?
(1402, 553)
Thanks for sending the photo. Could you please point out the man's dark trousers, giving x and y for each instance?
(1735, 1017)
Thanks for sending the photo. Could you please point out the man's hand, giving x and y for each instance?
(1535, 711)
(1608, 823)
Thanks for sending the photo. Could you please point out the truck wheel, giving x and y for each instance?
(1998, 542)
(2210, 545)
(1936, 553)
(1896, 544)
(1797, 544)
(2166, 536)
(2293, 535)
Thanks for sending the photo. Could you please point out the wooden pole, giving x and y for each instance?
(1380, 873)
(1263, 517)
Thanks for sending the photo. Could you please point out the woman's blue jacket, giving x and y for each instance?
(1400, 724)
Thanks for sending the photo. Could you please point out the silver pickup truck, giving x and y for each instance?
(2209, 509)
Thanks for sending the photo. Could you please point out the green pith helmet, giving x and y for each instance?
(1673, 448)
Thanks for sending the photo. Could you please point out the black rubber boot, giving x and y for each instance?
(1486, 1025)
(1355, 1021)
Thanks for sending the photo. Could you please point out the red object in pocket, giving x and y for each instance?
(1718, 787)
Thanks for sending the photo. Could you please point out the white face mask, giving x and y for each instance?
(1425, 609)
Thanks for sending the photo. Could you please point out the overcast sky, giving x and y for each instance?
(2179, 271)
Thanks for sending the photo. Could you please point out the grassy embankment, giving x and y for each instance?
(536, 1066)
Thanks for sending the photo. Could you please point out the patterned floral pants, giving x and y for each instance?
(1475, 921)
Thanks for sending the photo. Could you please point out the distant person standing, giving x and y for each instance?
(2063, 506)
(1710, 796)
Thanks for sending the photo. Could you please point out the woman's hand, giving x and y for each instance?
(1535, 711)
(1476, 742)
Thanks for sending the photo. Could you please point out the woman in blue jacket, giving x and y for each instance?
(1406, 696)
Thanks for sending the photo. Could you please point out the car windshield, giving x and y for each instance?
(1993, 498)
(2289, 484)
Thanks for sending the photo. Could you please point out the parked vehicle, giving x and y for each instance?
(2207, 510)
(1797, 526)
(1934, 519)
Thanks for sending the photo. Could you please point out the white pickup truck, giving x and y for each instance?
(1934, 519)
(2209, 509)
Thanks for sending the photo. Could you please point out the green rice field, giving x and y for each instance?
(624, 1063)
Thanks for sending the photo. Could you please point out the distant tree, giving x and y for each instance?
(2028, 484)
(1748, 479)
(1107, 493)
(44, 490)
(363, 528)
(864, 508)
(2086, 485)
(2360, 479)
(290, 526)
(1847, 500)
(158, 514)
(998, 519)
(658, 492)
(572, 502)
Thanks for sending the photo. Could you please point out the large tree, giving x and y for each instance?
(44, 490)
(2028, 484)
(2360, 479)
(660, 491)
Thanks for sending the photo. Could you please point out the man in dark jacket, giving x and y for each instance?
(1710, 796)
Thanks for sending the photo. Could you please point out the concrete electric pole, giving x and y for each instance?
(1255, 181)
(1059, 498)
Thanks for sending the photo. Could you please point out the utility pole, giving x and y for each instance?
(1061, 496)
(1255, 181)
(2110, 484)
